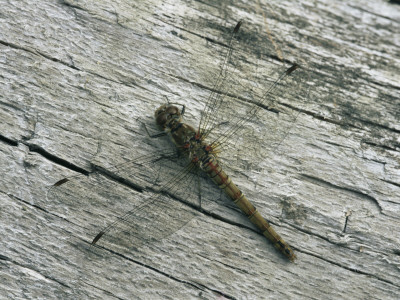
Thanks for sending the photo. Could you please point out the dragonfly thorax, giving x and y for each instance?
(167, 115)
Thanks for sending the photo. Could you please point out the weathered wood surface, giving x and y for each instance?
(79, 74)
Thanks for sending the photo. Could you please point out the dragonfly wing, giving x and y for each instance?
(281, 114)
(151, 217)
(121, 210)
(220, 88)
(236, 99)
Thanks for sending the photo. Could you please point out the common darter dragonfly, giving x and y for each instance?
(166, 209)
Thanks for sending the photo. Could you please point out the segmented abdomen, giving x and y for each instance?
(215, 172)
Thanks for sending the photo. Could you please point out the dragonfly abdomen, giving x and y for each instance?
(201, 154)
(215, 172)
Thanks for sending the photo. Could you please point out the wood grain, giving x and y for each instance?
(79, 79)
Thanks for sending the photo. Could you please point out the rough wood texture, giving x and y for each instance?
(79, 78)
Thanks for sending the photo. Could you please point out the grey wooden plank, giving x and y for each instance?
(79, 78)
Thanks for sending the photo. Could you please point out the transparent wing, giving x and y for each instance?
(267, 101)
(216, 98)
(141, 201)
(226, 101)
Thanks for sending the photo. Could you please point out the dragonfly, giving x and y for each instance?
(162, 212)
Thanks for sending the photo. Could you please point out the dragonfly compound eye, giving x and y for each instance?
(165, 113)
(172, 110)
(161, 120)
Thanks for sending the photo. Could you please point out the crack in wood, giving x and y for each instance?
(353, 269)
(37, 52)
(346, 220)
(57, 160)
(8, 141)
(101, 289)
(320, 181)
(197, 285)
(3, 257)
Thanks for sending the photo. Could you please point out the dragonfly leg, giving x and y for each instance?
(199, 189)
(157, 135)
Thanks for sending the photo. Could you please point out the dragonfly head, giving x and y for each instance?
(167, 114)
